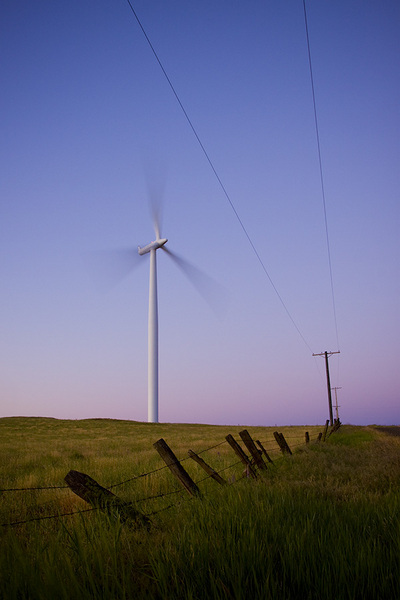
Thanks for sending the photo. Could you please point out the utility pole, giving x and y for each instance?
(328, 380)
(336, 405)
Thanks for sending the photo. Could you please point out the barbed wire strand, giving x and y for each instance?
(56, 516)
(161, 495)
(34, 489)
(109, 487)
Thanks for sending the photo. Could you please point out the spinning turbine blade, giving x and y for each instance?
(156, 186)
(211, 291)
(156, 217)
(110, 267)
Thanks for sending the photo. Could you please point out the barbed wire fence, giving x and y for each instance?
(269, 447)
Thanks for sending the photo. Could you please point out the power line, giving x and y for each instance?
(218, 177)
(321, 173)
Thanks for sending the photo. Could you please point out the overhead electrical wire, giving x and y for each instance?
(218, 177)
(321, 173)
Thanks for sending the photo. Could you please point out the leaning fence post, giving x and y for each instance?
(175, 467)
(92, 492)
(282, 443)
(279, 441)
(286, 445)
(335, 427)
(241, 454)
(325, 430)
(319, 436)
(209, 470)
(252, 448)
(263, 450)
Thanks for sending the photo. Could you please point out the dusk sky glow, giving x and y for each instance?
(88, 120)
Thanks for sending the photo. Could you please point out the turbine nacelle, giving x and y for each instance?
(159, 243)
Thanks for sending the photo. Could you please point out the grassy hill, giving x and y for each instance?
(322, 523)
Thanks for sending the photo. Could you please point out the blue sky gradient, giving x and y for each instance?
(88, 120)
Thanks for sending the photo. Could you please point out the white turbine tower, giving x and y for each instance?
(152, 375)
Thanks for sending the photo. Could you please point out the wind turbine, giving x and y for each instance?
(207, 287)
(121, 262)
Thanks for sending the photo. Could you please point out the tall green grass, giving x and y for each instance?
(255, 541)
(323, 523)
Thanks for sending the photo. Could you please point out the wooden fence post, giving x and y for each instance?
(263, 450)
(286, 445)
(282, 443)
(209, 470)
(175, 467)
(335, 427)
(325, 430)
(319, 436)
(307, 437)
(241, 454)
(279, 441)
(92, 492)
(252, 448)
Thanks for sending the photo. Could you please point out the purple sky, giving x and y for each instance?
(85, 109)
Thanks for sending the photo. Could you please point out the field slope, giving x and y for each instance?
(322, 523)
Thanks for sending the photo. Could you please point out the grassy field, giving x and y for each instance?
(323, 523)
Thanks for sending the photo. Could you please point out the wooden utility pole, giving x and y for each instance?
(337, 406)
(328, 380)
